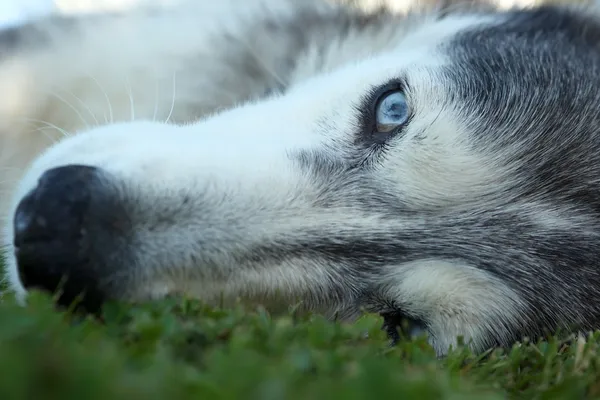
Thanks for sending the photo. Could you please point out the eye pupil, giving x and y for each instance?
(391, 111)
(395, 110)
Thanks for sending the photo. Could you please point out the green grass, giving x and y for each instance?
(181, 349)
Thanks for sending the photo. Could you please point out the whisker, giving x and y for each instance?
(155, 101)
(272, 72)
(85, 106)
(173, 99)
(43, 130)
(51, 125)
(110, 110)
(131, 103)
(72, 108)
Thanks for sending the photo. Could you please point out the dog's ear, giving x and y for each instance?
(439, 7)
(457, 5)
(588, 5)
(447, 7)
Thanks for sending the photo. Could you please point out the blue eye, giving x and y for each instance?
(391, 111)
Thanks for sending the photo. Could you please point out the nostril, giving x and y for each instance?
(31, 221)
(50, 224)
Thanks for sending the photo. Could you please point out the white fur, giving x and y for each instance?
(165, 131)
(460, 300)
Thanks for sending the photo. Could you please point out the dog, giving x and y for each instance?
(440, 167)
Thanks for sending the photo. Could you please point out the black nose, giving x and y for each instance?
(51, 236)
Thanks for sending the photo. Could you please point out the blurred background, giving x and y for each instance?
(16, 11)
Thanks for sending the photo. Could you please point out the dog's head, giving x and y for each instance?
(452, 178)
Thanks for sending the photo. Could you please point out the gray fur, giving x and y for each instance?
(480, 218)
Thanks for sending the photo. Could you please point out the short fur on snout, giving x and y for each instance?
(246, 150)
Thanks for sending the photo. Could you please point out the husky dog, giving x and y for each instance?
(440, 167)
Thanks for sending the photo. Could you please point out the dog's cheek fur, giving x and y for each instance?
(453, 300)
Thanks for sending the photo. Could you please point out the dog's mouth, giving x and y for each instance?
(399, 326)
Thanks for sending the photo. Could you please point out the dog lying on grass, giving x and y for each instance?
(440, 168)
